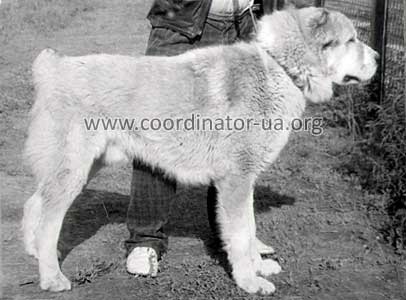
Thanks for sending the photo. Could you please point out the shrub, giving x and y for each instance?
(378, 154)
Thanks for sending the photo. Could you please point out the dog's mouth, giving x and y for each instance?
(349, 79)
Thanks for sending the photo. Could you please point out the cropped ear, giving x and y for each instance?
(320, 18)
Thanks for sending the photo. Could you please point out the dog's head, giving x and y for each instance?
(317, 48)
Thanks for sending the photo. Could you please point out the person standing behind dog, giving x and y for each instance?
(177, 26)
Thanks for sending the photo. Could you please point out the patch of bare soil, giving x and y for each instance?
(314, 216)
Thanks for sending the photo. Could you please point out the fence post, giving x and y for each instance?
(404, 39)
(378, 40)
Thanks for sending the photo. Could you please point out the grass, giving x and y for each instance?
(99, 268)
(39, 16)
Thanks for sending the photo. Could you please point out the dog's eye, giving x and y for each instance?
(327, 45)
(351, 40)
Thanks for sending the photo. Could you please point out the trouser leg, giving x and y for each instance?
(148, 212)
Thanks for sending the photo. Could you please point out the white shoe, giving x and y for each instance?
(143, 261)
(263, 248)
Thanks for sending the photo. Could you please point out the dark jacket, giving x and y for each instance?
(184, 16)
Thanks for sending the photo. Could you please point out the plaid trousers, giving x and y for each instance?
(151, 192)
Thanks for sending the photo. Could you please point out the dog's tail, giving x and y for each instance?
(42, 143)
(44, 61)
(44, 71)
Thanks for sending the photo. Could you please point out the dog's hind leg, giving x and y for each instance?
(58, 192)
(237, 230)
(32, 215)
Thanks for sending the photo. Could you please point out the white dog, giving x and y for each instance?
(297, 55)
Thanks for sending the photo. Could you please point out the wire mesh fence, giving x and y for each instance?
(395, 50)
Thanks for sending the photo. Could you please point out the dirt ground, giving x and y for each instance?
(313, 214)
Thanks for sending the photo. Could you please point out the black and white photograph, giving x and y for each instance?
(203, 149)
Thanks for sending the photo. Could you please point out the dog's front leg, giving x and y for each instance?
(237, 230)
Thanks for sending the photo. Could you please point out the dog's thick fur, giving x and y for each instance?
(296, 56)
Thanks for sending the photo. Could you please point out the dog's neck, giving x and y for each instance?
(291, 69)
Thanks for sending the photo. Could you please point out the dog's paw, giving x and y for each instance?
(263, 249)
(268, 267)
(256, 284)
(57, 283)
